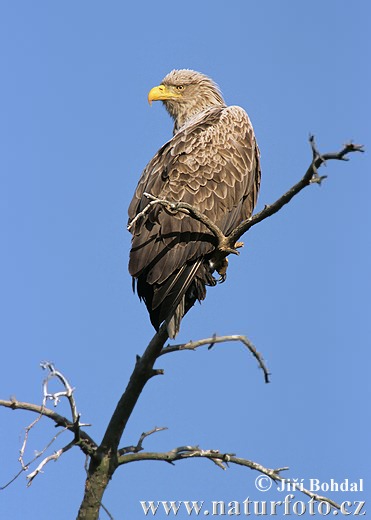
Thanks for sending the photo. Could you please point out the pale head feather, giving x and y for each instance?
(198, 93)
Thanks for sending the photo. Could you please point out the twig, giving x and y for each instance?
(139, 446)
(55, 397)
(25, 439)
(192, 345)
(37, 456)
(106, 511)
(54, 457)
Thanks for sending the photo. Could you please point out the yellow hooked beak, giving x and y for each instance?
(161, 93)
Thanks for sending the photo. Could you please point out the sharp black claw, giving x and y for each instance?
(222, 278)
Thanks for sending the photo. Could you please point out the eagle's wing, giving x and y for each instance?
(211, 163)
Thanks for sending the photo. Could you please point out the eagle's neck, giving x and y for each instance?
(183, 112)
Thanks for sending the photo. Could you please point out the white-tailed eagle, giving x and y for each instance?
(211, 163)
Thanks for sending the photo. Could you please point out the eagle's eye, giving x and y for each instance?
(180, 87)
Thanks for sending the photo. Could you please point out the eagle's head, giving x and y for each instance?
(186, 93)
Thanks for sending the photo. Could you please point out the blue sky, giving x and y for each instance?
(76, 132)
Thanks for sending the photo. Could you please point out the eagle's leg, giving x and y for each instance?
(222, 270)
(220, 265)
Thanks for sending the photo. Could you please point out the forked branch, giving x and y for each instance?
(81, 439)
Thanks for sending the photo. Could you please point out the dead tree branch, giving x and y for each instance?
(86, 443)
(25, 466)
(81, 439)
(222, 460)
(210, 342)
(139, 446)
(43, 463)
(56, 396)
(310, 177)
(24, 444)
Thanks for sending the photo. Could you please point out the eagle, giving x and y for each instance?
(211, 163)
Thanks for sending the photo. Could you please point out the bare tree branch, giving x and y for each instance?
(86, 443)
(222, 460)
(310, 177)
(139, 446)
(56, 396)
(25, 466)
(54, 457)
(25, 439)
(81, 439)
(193, 345)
